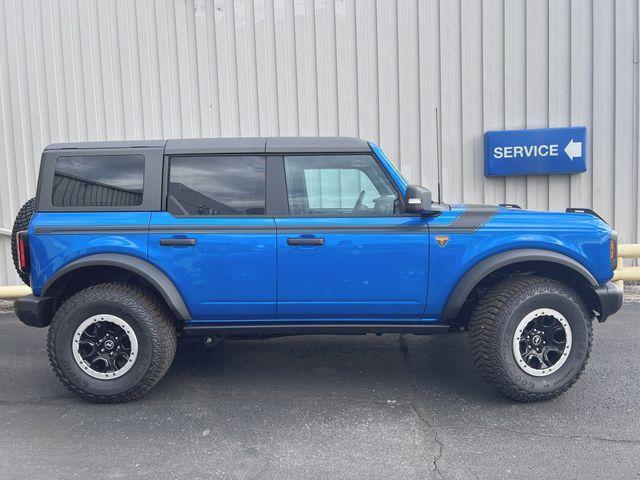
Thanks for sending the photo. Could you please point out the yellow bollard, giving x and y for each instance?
(627, 273)
(13, 292)
(629, 250)
(619, 283)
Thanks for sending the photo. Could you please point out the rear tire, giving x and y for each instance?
(104, 318)
(21, 223)
(530, 337)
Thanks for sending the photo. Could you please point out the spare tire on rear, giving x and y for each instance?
(21, 223)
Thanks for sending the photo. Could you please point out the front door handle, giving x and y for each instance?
(178, 242)
(305, 241)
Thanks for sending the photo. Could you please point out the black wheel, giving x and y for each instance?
(530, 337)
(21, 223)
(112, 342)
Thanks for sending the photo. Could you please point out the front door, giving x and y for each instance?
(214, 241)
(345, 251)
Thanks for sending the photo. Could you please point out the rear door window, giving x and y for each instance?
(217, 185)
(98, 181)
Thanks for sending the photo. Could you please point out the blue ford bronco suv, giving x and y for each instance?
(129, 245)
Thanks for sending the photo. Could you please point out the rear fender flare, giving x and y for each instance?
(152, 274)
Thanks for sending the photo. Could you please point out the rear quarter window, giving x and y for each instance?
(98, 181)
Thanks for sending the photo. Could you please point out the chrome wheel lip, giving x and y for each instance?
(84, 366)
(517, 337)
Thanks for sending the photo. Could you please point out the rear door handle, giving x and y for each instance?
(178, 242)
(305, 241)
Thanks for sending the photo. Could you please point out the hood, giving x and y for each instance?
(474, 216)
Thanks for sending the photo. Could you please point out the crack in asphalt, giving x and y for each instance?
(433, 428)
(414, 405)
(437, 458)
(542, 435)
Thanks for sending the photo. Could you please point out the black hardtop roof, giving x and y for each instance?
(230, 145)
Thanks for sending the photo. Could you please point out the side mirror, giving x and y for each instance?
(417, 200)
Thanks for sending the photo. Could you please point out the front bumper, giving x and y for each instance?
(610, 298)
(34, 311)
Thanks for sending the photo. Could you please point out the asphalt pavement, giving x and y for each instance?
(388, 407)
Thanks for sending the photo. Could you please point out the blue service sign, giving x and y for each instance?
(544, 151)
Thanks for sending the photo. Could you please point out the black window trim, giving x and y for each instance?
(155, 187)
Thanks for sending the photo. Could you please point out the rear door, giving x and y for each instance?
(346, 251)
(213, 238)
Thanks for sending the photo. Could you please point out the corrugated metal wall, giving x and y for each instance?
(88, 69)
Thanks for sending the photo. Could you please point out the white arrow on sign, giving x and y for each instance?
(573, 149)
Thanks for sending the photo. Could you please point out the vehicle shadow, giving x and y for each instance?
(359, 367)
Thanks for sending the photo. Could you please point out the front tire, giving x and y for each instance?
(530, 337)
(112, 342)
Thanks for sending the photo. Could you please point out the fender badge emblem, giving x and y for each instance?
(442, 240)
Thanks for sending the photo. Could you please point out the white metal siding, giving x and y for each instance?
(89, 70)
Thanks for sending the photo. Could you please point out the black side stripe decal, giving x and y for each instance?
(355, 229)
(212, 229)
(264, 229)
(119, 229)
(79, 229)
(470, 221)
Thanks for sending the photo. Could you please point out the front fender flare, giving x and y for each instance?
(490, 264)
(156, 277)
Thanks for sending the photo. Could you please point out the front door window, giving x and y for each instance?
(338, 185)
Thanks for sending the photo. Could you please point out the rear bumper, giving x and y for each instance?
(610, 298)
(34, 311)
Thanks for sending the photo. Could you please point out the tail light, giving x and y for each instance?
(24, 261)
(613, 249)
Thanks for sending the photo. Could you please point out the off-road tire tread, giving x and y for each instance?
(150, 309)
(21, 223)
(488, 319)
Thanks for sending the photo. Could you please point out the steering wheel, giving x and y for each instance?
(358, 204)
